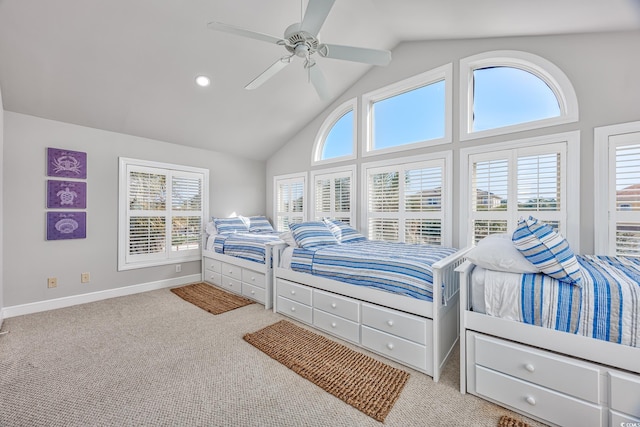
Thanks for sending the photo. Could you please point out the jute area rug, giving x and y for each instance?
(507, 421)
(361, 381)
(210, 298)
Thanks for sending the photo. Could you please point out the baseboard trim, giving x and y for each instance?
(36, 307)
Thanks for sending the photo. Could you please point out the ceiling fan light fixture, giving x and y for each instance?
(203, 81)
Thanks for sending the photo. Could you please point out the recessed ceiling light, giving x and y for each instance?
(203, 81)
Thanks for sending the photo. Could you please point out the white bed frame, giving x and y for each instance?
(244, 277)
(393, 319)
(542, 372)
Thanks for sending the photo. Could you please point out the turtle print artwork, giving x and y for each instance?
(66, 194)
(66, 163)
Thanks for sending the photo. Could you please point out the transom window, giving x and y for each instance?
(336, 140)
(162, 209)
(413, 113)
(510, 91)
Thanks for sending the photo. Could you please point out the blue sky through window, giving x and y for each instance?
(339, 141)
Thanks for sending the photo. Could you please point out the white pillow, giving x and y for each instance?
(211, 228)
(287, 237)
(497, 252)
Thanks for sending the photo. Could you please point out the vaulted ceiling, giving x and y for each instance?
(129, 66)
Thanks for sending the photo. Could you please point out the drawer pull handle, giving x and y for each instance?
(253, 292)
(293, 292)
(253, 279)
(293, 309)
(333, 324)
(530, 400)
(529, 367)
(333, 305)
(390, 346)
(390, 322)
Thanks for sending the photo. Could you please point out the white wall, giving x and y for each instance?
(235, 185)
(602, 68)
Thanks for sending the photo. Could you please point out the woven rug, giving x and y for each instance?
(210, 298)
(361, 381)
(506, 421)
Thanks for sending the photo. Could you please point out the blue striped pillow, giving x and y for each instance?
(547, 250)
(312, 234)
(230, 225)
(343, 233)
(259, 223)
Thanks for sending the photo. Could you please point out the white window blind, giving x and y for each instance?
(161, 213)
(333, 195)
(405, 202)
(509, 184)
(290, 201)
(625, 180)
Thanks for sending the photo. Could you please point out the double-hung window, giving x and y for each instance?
(506, 181)
(409, 202)
(290, 204)
(162, 209)
(333, 193)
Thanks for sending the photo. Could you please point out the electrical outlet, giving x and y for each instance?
(52, 282)
(178, 268)
(85, 277)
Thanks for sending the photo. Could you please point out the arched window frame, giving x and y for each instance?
(444, 72)
(545, 70)
(327, 126)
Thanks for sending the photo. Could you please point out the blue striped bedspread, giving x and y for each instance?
(393, 267)
(250, 246)
(605, 307)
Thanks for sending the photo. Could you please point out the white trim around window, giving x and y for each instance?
(334, 174)
(606, 140)
(553, 76)
(326, 128)
(286, 213)
(183, 219)
(568, 144)
(443, 73)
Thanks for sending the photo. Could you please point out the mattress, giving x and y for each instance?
(605, 306)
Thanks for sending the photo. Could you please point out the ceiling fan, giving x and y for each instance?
(301, 40)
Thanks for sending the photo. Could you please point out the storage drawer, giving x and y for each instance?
(538, 401)
(336, 325)
(231, 270)
(294, 309)
(539, 367)
(253, 278)
(232, 284)
(337, 305)
(397, 348)
(212, 265)
(617, 419)
(294, 291)
(625, 393)
(253, 292)
(413, 328)
(211, 277)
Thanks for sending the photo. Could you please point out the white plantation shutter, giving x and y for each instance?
(333, 195)
(161, 214)
(405, 202)
(509, 184)
(289, 201)
(625, 184)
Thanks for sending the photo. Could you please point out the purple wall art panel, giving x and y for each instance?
(66, 225)
(66, 163)
(66, 194)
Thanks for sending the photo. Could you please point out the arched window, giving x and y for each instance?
(336, 140)
(509, 91)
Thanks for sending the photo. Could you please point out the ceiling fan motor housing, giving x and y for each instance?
(300, 43)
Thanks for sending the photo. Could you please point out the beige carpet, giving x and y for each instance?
(363, 382)
(152, 360)
(211, 298)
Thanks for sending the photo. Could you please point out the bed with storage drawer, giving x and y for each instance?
(565, 352)
(397, 300)
(237, 256)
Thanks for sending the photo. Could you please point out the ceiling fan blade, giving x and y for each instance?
(356, 54)
(315, 15)
(269, 72)
(232, 29)
(319, 82)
